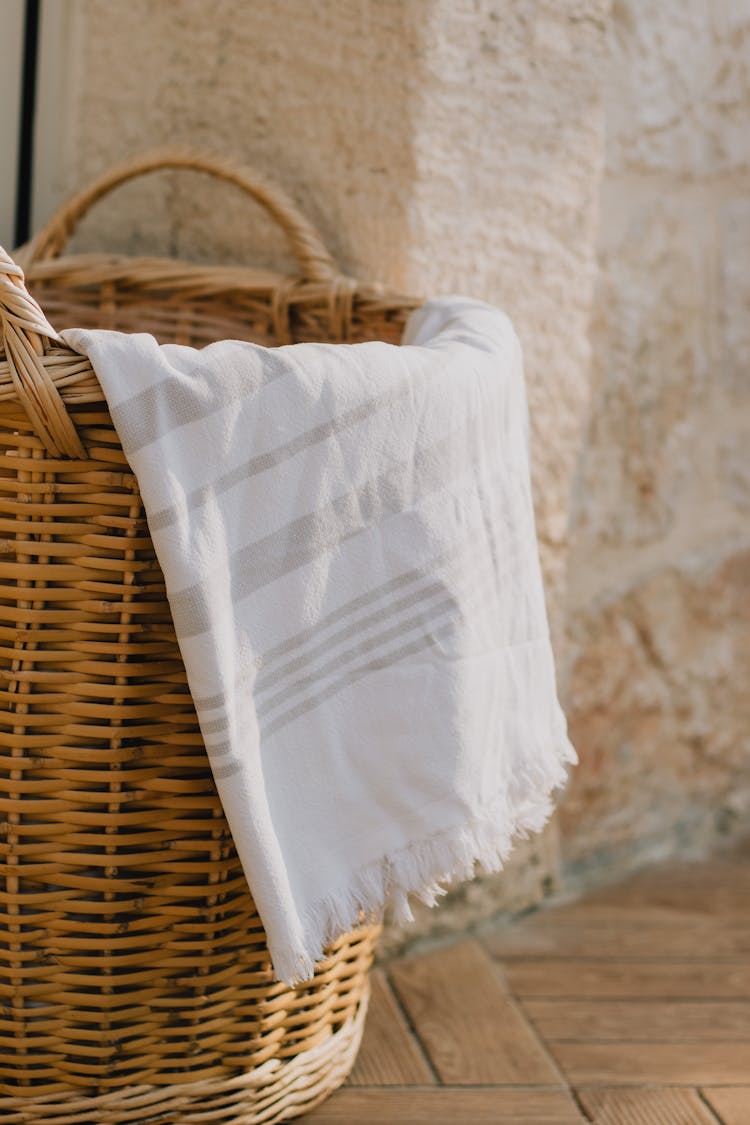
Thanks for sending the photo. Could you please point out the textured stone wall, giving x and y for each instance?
(660, 569)
(438, 145)
(508, 151)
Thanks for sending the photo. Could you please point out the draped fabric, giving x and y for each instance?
(347, 537)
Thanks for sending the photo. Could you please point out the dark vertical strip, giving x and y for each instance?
(26, 124)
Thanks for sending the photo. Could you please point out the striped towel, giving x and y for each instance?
(347, 538)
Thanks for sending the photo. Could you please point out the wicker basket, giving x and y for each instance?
(135, 983)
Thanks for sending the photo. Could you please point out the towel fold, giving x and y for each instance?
(347, 537)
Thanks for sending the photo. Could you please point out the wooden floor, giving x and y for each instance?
(628, 1007)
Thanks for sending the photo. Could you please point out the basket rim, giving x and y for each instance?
(28, 339)
(72, 374)
(95, 268)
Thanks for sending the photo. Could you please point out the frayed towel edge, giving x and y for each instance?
(423, 869)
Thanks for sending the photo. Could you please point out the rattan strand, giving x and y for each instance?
(135, 983)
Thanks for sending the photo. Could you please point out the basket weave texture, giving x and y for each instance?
(135, 982)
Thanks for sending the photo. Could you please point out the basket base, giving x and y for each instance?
(279, 1090)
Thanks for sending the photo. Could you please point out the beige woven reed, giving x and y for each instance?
(135, 983)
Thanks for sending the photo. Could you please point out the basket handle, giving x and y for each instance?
(26, 336)
(306, 244)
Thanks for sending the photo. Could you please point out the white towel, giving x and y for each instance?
(348, 543)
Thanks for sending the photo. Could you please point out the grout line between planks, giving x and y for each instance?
(413, 1030)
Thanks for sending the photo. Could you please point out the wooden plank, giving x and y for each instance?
(681, 1064)
(471, 1029)
(611, 933)
(720, 884)
(664, 1021)
(731, 1105)
(707, 900)
(664, 1106)
(628, 979)
(627, 915)
(438, 1105)
(390, 1055)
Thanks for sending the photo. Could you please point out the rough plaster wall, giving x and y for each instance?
(318, 97)
(660, 573)
(509, 154)
(439, 145)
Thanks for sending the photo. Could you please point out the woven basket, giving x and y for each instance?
(135, 982)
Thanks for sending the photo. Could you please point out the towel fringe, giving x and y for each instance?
(424, 867)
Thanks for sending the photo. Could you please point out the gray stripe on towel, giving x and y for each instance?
(478, 583)
(176, 402)
(213, 702)
(477, 600)
(304, 539)
(430, 585)
(214, 726)
(219, 749)
(354, 674)
(273, 457)
(425, 576)
(421, 594)
(233, 766)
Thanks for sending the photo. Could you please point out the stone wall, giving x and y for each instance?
(660, 567)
